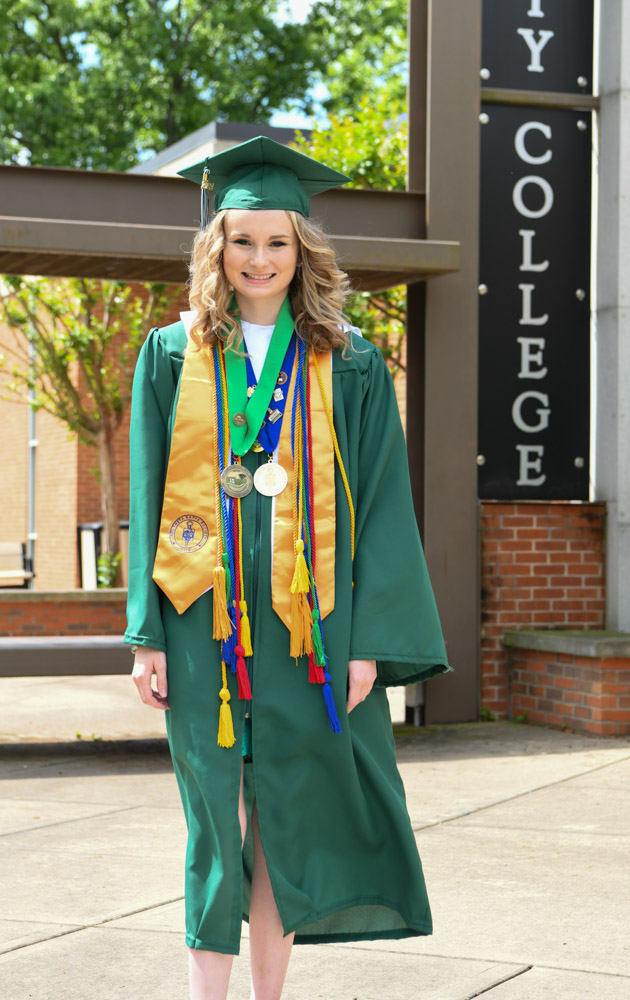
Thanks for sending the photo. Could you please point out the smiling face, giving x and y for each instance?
(259, 260)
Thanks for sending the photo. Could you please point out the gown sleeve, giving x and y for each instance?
(394, 615)
(150, 403)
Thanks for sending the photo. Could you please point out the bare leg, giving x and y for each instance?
(269, 949)
(209, 971)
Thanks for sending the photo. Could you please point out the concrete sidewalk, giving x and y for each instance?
(523, 832)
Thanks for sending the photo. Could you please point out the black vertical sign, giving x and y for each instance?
(538, 44)
(534, 284)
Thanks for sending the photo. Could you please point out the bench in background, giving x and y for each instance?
(63, 655)
(16, 568)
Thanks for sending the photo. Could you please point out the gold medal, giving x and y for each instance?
(237, 481)
(256, 446)
(270, 479)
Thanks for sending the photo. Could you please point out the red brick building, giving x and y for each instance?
(67, 488)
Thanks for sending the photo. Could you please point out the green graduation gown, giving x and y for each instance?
(340, 850)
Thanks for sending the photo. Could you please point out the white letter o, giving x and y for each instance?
(517, 196)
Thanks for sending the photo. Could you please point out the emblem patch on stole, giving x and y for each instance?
(188, 533)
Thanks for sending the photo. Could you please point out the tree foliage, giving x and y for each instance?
(100, 84)
(370, 146)
(75, 350)
(367, 46)
(80, 329)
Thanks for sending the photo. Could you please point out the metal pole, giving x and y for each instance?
(450, 508)
(31, 534)
(417, 36)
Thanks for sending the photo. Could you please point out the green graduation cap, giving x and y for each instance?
(261, 173)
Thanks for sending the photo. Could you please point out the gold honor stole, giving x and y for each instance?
(187, 543)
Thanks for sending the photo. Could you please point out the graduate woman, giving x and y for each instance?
(277, 584)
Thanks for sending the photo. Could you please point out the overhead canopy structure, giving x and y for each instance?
(139, 227)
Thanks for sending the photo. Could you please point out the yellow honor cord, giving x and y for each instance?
(221, 624)
(246, 634)
(301, 617)
(337, 452)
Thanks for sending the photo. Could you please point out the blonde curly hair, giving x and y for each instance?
(317, 292)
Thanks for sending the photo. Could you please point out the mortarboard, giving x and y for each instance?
(261, 174)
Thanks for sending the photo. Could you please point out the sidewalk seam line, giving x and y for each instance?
(519, 795)
(498, 982)
(91, 924)
(356, 946)
(63, 822)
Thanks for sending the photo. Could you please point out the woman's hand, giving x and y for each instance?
(146, 663)
(361, 677)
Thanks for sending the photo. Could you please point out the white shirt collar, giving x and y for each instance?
(188, 318)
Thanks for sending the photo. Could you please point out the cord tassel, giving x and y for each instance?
(300, 582)
(329, 699)
(315, 672)
(297, 627)
(244, 689)
(225, 735)
(246, 635)
(228, 576)
(227, 649)
(221, 626)
(301, 626)
(318, 646)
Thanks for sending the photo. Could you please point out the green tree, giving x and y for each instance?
(367, 49)
(75, 348)
(99, 84)
(370, 146)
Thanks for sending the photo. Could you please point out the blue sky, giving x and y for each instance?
(296, 10)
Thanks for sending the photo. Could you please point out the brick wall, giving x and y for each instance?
(89, 494)
(400, 385)
(56, 557)
(584, 693)
(542, 567)
(27, 613)
(68, 491)
(13, 454)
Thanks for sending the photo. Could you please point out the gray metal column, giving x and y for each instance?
(612, 462)
(417, 32)
(450, 501)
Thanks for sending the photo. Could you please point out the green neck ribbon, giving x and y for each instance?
(243, 435)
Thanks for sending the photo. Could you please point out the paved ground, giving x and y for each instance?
(524, 835)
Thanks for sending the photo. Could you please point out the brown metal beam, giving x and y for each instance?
(30, 246)
(418, 47)
(539, 99)
(58, 221)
